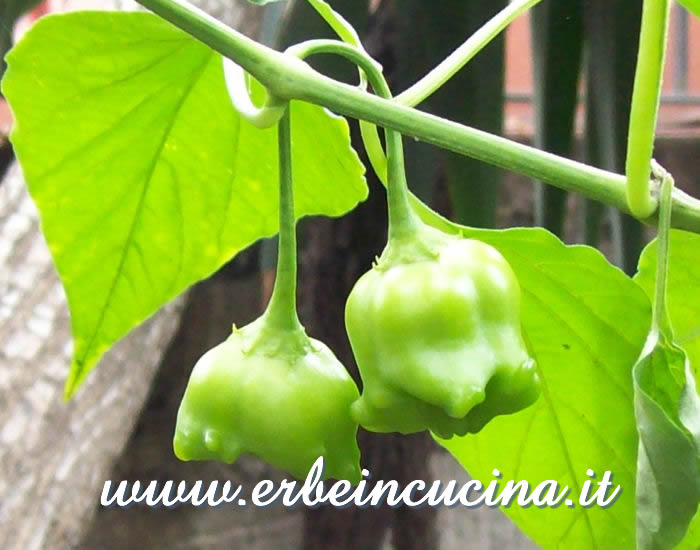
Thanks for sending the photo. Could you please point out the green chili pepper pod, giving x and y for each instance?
(281, 396)
(435, 329)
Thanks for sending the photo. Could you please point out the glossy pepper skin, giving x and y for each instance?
(435, 329)
(281, 396)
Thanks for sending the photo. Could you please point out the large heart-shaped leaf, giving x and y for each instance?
(145, 177)
(586, 323)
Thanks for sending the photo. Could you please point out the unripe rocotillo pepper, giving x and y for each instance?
(269, 389)
(435, 329)
(281, 396)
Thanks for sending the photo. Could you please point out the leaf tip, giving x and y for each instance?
(74, 380)
(69, 390)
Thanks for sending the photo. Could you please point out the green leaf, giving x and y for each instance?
(668, 417)
(668, 407)
(145, 177)
(693, 6)
(682, 297)
(586, 323)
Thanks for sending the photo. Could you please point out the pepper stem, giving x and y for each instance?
(282, 309)
(403, 220)
(660, 318)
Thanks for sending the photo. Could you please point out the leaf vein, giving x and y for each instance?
(110, 294)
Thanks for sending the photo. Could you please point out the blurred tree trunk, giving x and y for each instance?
(55, 455)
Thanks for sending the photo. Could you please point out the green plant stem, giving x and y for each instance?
(645, 105)
(290, 78)
(447, 68)
(261, 117)
(402, 219)
(282, 309)
(432, 81)
(660, 318)
(368, 131)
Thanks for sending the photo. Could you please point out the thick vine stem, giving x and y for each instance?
(260, 117)
(645, 105)
(289, 78)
